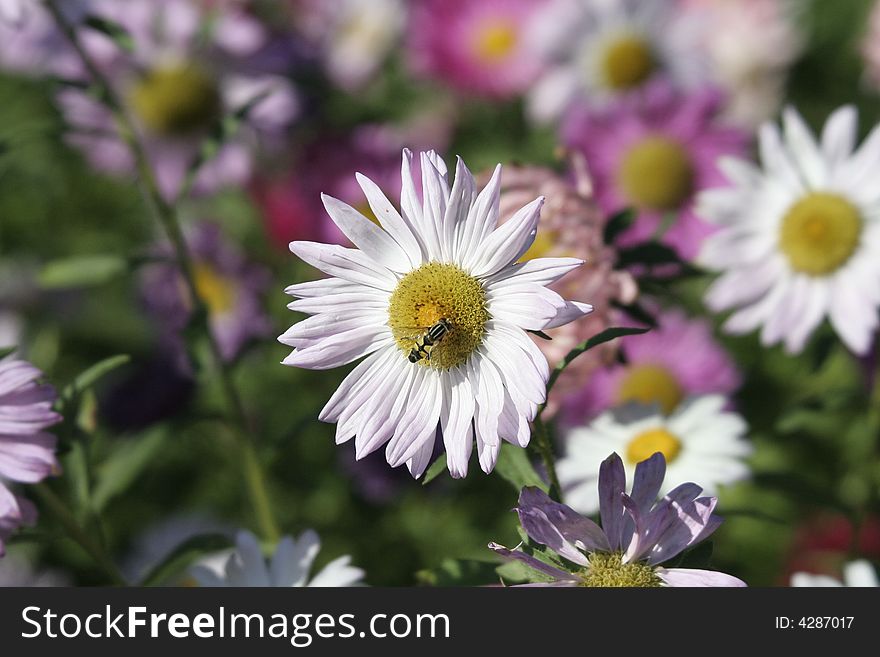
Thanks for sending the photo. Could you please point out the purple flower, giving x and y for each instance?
(27, 452)
(227, 283)
(677, 360)
(637, 535)
(653, 151)
(190, 65)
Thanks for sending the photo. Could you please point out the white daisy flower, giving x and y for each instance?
(599, 49)
(289, 566)
(800, 237)
(701, 441)
(435, 299)
(855, 574)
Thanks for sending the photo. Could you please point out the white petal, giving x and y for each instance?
(481, 220)
(572, 311)
(348, 264)
(367, 236)
(804, 148)
(339, 349)
(839, 135)
(509, 241)
(543, 271)
(399, 229)
(456, 420)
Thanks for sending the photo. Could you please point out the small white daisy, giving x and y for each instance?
(289, 566)
(701, 441)
(855, 574)
(435, 299)
(600, 49)
(800, 237)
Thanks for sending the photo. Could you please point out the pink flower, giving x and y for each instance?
(572, 226)
(654, 151)
(27, 451)
(678, 359)
(482, 47)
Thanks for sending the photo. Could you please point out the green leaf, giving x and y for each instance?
(617, 224)
(437, 468)
(81, 271)
(459, 572)
(5, 351)
(184, 555)
(89, 377)
(514, 467)
(124, 465)
(118, 34)
(605, 336)
(649, 253)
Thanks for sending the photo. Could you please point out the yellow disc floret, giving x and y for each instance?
(820, 233)
(627, 62)
(433, 292)
(656, 174)
(496, 41)
(176, 100)
(216, 291)
(650, 384)
(607, 569)
(647, 443)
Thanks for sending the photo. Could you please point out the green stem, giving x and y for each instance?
(545, 449)
(167, 216)
(75, 532)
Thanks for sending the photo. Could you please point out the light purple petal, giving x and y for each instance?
(533, 563)
(691, 577)
(612, 484)
(579, 530)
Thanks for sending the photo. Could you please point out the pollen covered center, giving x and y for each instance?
(176, 100)
(429, 294)
(657, 174)
(215, 290)
(607, 569)
(627, 62)
(647, 443)
(820, 233)
(650, 384)
(496, 41)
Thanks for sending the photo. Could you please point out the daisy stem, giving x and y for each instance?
(74, 531)
(167, 216)
(545, 449)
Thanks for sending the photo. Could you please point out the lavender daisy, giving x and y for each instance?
(654, 153)
(435, 299)
(175, 89)
(637, 535)
(27, 451)
(228, 284)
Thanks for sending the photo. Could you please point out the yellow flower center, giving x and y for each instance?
(656, 174)
(647, 443)
(820, 233)
(607, 569)
(495, 41)
(650, 384)
(176, 100)
(433, 292)
(627, 62)
(216, 291)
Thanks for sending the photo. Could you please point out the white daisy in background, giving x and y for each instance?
(855, 574)
(800, 237)
(354, 36)
(598, 50)
(441, 266)
(700, 440)
(289, 566)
